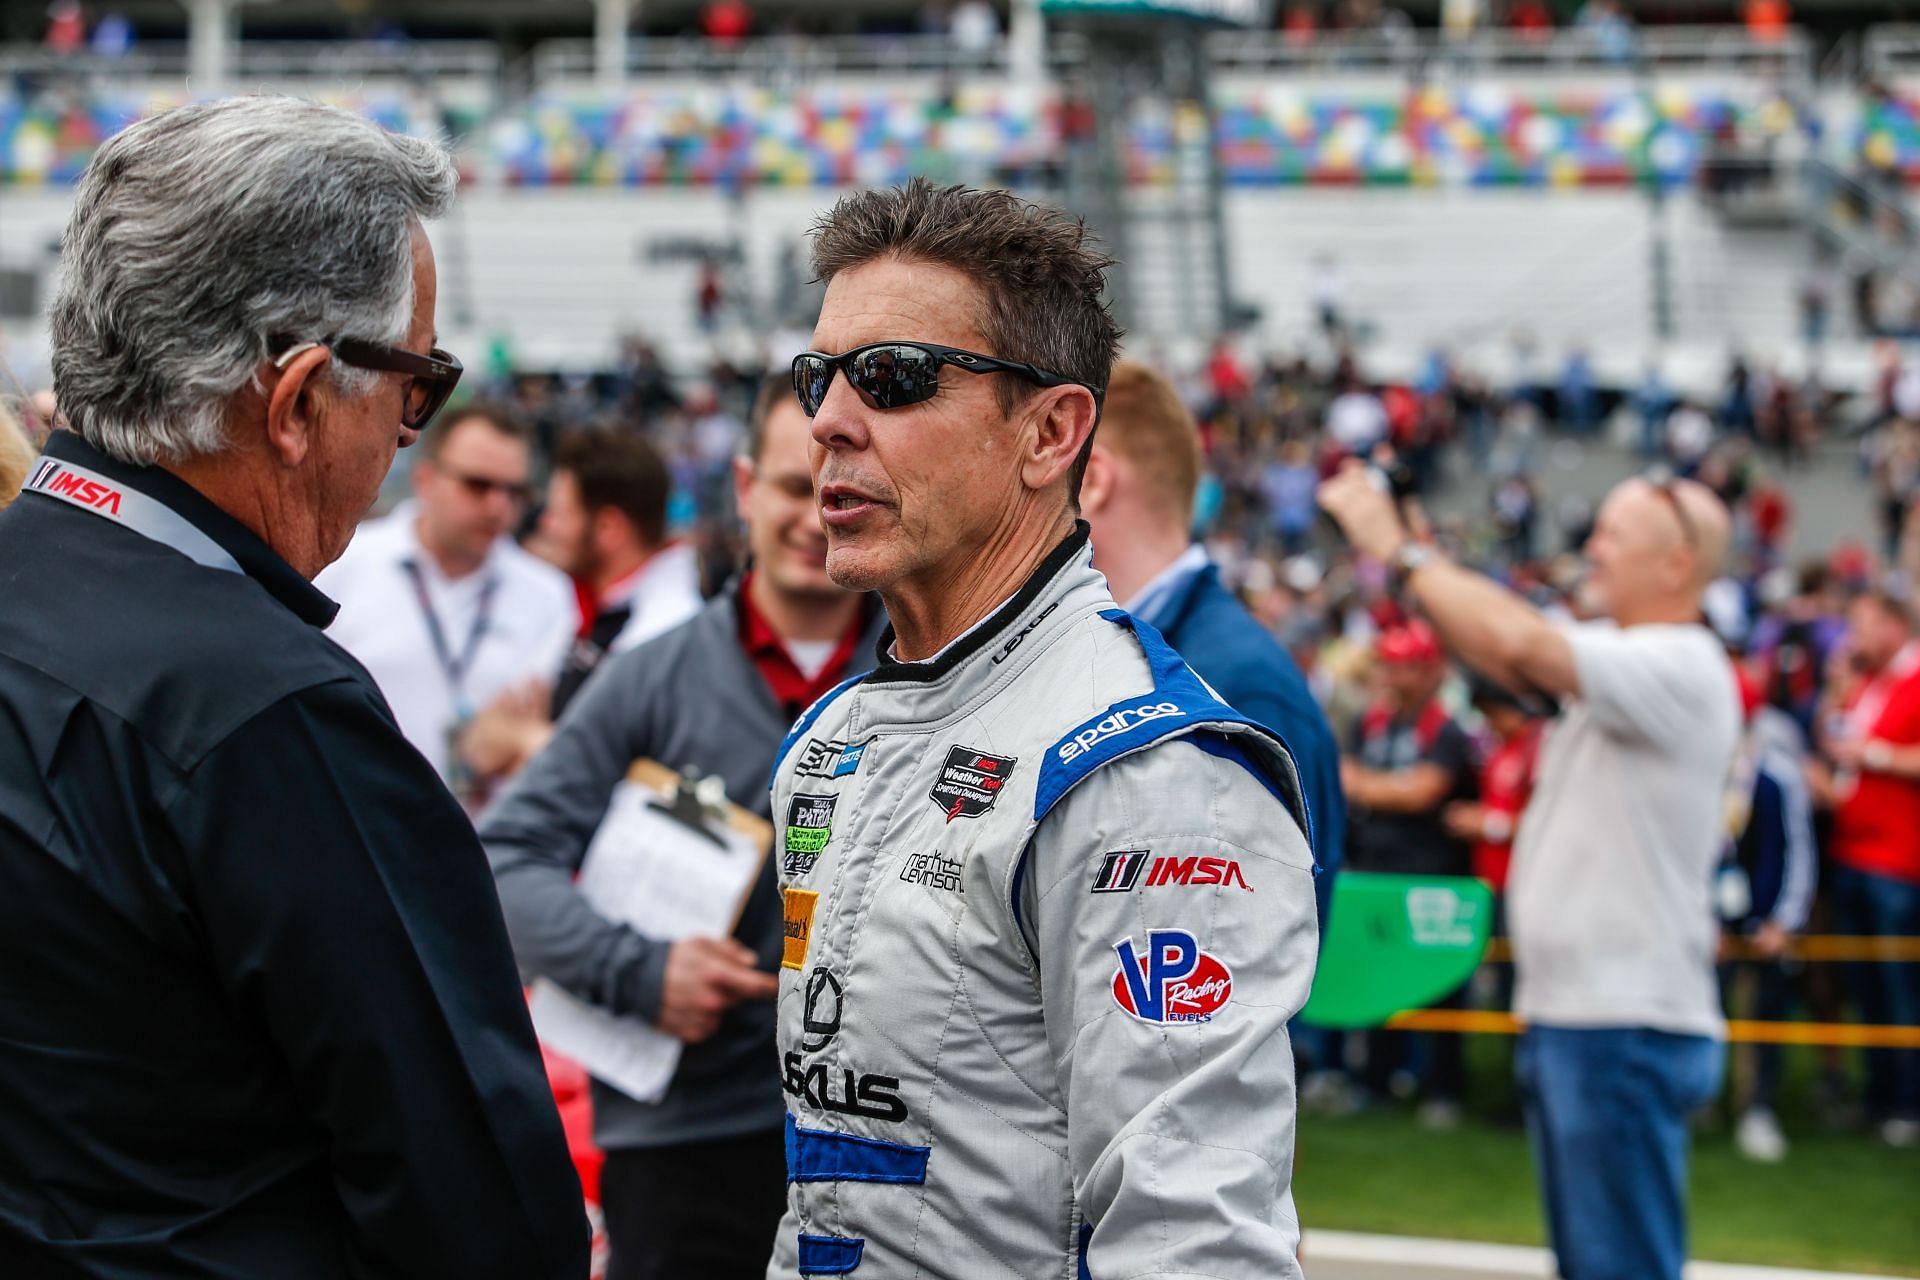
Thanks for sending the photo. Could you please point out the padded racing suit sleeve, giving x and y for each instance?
(1167, 976)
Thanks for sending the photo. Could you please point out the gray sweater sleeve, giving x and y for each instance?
(536, 834)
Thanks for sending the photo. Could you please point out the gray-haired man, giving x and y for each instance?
(260, 1017)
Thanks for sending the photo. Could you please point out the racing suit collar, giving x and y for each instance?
(1072, 548)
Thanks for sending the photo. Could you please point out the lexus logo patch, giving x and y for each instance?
(970, 781)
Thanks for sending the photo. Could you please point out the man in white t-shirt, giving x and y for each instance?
(1610, 897)
(439, 604)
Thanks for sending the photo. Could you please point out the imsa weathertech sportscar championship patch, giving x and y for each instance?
(1173, 981)
(970, 782)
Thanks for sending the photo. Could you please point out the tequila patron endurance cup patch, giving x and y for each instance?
(1174, 981)
(970, 782)
(809, 827)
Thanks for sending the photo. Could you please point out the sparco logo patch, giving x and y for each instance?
(1112, 725)
(809, 827)
(970, 782)
(797, 923)
(826, 758)
(933, 871)
(1172, 981)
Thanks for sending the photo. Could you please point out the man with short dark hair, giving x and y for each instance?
(692, 1184)
(261, 1018)
(443, 607)
(1054, 907)
(606, 516)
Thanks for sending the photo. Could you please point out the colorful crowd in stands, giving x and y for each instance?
(1268, 135)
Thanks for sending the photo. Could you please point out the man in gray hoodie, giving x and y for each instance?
(693, 1184)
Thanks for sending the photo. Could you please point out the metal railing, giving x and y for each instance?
(793, 58)
(785, 59)
(1891, 51)
(1670, 49)
(267, 59)
(1869, 221)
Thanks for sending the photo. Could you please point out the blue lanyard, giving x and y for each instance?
(453, 668)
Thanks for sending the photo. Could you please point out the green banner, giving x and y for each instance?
(1396, 942)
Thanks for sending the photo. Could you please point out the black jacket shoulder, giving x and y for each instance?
(181, 653)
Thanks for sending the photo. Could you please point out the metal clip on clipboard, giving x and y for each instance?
(696, 803)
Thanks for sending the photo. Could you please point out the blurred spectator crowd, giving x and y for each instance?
(747, 135)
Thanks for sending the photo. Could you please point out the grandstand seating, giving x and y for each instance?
(1482, 134)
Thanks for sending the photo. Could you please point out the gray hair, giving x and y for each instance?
(201, 233)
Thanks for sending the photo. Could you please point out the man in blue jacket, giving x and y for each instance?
(1138, 496)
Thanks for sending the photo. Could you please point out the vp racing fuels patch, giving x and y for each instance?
(1172, 981)
(970, 781)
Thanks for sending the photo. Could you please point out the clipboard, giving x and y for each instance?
(671, 859)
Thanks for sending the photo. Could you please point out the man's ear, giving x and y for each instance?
(294, 406)
(744, 471)
(1098, 485)
(1064, 418)
(609, 525)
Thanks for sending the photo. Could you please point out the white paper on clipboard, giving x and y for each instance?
(659, 877)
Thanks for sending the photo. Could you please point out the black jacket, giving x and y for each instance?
(258, 1014)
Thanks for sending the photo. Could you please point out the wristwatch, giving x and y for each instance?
(1411, 557)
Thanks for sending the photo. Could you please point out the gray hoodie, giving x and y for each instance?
(689, 697)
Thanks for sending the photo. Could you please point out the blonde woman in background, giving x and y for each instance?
(16, 455)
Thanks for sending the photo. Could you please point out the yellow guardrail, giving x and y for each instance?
(1477, 1022)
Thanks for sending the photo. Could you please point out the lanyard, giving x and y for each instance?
(127, 507)
(453, 668)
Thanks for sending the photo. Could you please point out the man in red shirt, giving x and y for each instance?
(1506, 781)
(1871, 741)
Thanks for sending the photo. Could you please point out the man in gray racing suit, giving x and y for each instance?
(1048, 902)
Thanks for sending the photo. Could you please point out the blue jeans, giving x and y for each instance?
(1607, 1111)
(1887, 994)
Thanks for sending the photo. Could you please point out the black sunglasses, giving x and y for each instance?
(432, 377)
(517, 492)
(1664, 482)
(893, 375)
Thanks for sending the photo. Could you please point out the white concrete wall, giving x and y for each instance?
(563, 271)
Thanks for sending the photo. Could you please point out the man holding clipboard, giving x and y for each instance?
(693, 1183)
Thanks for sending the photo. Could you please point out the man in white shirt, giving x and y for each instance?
(607, 518)
(1610, 900)
(437, 601)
